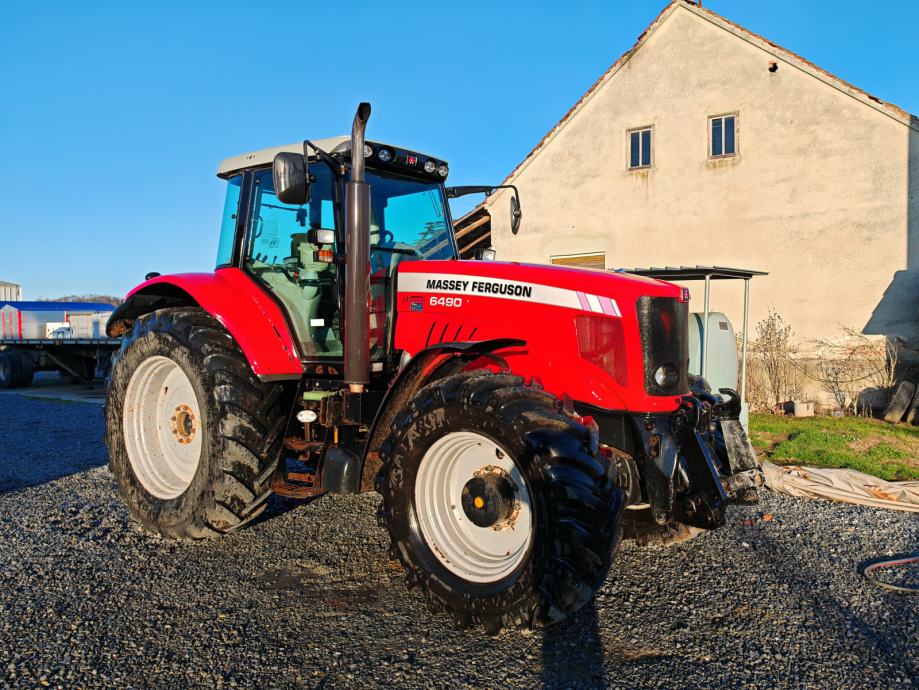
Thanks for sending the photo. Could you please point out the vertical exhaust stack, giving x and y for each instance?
(357, 261)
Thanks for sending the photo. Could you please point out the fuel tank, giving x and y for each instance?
(611, 340)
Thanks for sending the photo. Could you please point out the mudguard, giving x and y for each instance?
(430, 363)
(254, 320)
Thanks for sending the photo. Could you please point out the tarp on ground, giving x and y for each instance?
(845, 486)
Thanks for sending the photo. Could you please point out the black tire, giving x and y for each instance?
(16, 369)
(7, 373)
(26, 369)
(577, 507)
(242, 426)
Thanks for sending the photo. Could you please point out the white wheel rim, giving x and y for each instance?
(162, 427)
(477, 554)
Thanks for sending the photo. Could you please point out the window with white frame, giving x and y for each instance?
(723, 136)
(640, 148)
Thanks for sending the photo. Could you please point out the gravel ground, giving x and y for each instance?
(306, 597)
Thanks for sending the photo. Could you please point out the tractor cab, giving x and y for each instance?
(295, 250)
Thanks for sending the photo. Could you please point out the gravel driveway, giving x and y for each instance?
(307, 597)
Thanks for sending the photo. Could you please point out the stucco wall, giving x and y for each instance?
(818, 195)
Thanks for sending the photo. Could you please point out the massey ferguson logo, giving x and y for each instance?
(480, 287)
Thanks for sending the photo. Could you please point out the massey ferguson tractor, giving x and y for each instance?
(509, 414)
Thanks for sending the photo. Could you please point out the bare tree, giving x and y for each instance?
(772, 352)
(855, 363)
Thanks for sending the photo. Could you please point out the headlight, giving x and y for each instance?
(443, 170)
(321, 236)
(385, 155)
(666, 376)
(429, 167)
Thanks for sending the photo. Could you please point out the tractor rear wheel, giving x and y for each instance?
(193, 435)
(497, 503)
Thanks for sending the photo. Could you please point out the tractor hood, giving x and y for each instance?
(597, 337)
(560, 286)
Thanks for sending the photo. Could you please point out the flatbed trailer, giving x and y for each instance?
(68, 337)
(77, 359)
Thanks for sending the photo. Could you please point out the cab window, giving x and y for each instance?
(228, 222)
(280, 255)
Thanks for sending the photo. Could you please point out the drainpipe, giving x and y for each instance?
(357, 261)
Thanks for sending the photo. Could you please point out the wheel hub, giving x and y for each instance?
(474, 507)
(183, 424)
(163, 427)
(488, 499)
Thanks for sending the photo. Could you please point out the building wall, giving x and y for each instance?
(817, 195)
(10, 292)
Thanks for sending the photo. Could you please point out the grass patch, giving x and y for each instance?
(867, 445)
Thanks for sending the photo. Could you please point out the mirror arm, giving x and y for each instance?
(338, 169)
(487, 190)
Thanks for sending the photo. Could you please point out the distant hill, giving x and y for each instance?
(96, 299)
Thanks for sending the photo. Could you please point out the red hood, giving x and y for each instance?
(595, 281)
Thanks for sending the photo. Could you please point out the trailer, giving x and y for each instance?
(67, 337)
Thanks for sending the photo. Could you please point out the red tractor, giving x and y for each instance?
(508, 413)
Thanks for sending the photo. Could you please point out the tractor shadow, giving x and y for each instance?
(844, 603)
(572, 652)
(45, 440)
(279, 505)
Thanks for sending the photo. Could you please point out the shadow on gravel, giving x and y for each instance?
(572, 652)
(836, 614)
(278, 505)
(44, 440)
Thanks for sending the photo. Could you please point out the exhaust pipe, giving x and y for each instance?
(357, 261)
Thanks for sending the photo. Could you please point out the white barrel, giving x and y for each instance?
(723, 359)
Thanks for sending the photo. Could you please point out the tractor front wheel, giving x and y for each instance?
(497, 503)
(193, 435)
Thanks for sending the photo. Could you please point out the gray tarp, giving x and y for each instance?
(845, 486)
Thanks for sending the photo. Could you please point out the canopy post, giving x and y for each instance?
(746, 326)
(708, 285)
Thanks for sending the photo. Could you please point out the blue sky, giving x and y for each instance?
(114, 115)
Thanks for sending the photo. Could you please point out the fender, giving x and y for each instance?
(431, 363)
(254, 320)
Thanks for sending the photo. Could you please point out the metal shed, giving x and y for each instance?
(708, 274)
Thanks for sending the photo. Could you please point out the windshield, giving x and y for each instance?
(408, 219)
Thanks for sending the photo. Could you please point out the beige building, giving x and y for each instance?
(707, 144)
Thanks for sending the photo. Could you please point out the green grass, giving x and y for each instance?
(867, 445)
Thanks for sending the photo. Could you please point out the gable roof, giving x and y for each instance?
(776, 50)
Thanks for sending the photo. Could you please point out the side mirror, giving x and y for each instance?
(291, 174)
(516, 213)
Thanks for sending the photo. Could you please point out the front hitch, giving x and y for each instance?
(698, 459)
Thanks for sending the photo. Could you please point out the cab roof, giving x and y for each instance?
(257, 159)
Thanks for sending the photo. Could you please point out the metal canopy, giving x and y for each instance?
(708, 274)
(694, 272)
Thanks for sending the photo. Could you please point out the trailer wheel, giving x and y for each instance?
(16, 369)
(496, 502)
(193, 435)
(7, 375)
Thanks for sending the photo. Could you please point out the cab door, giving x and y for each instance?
(279, 255)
